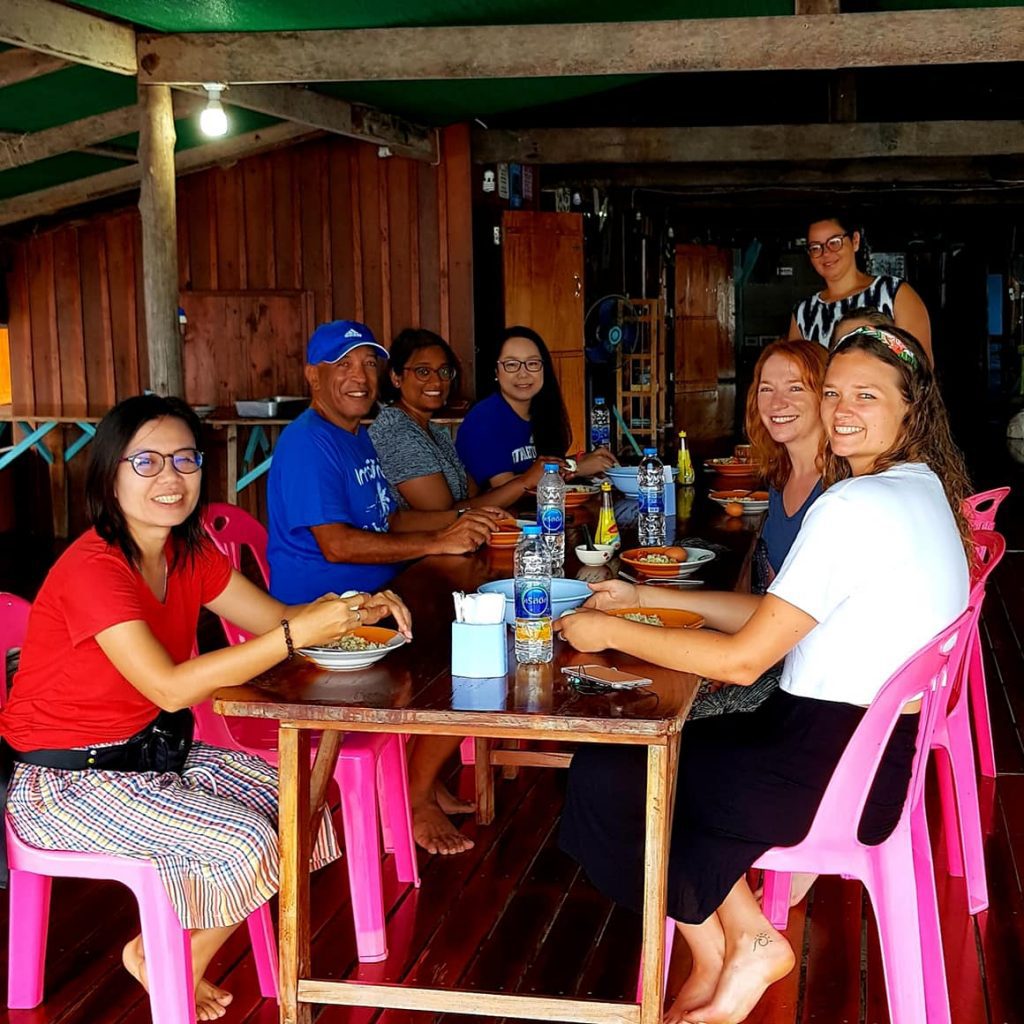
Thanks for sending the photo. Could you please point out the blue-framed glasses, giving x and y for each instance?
(184, 460)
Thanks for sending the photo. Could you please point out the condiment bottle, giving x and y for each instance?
(607, 528)
(686, 474)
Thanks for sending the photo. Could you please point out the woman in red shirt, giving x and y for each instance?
(107, 657)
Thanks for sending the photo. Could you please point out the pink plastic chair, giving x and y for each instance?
(13, 623)
(371, 771)
(897, 873)
(171, 990)
(958, 785)
(980, 510)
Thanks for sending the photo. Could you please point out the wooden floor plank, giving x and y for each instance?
(833, 980)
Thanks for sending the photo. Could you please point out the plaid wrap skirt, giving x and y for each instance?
(211, 832)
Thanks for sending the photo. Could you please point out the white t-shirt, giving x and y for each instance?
(879, 564)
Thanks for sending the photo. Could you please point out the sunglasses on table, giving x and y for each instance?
(184, 460)
(426, 372)
(833, 244)
(512, 365)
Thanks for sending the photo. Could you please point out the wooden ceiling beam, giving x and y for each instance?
(69, 34)
(881, 39)
(750, 143)
(352, 120)
(997, 172)
(17, 150)
(84, 190)
(21, 65)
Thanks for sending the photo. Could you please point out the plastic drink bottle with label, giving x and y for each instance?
(551, 514)
(650, 520)
(533, 598)
(600, 425)
(686, 474)
(607, 528)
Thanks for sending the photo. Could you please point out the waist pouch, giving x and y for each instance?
(162, 746)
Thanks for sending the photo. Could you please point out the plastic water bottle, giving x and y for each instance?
(600, 425)
(650, 478)
(533, 598)
(551, 513)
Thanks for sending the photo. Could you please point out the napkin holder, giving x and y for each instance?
(485, 693)
(479, 650)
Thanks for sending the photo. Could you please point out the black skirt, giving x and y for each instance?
(747, 782)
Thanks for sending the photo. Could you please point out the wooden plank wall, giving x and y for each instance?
(387, 241)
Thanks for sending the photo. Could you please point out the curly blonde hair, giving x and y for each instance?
(924, 434)
(771, 457)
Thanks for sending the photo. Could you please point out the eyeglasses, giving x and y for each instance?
(426, 372)
(833, 244)
(184, 460)
(512, 365)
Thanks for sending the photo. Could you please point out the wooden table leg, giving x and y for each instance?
(231, 452)
(323, 771)
(660, 776)
(484, 780)
(295, 846)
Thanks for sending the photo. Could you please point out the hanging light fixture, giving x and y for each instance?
(213, 121)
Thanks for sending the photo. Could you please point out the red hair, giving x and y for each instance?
(771, 456)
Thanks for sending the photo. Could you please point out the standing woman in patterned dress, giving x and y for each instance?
(832, 245)
(97, 735)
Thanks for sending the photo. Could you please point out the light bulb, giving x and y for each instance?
(213, 121)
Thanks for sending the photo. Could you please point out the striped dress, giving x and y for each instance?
(211, 832)
(816, 319)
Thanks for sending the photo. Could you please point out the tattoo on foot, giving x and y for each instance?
(760, 940)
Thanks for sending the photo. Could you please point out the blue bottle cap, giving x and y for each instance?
(650, 451)
(531, 531)
(550, 467)
(598, 401)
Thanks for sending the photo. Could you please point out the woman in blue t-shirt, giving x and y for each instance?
(785, 431)
(502, 436)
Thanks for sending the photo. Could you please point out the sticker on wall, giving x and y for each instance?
(503, 180)
(489, 183)
(527, 183)
(563, 200)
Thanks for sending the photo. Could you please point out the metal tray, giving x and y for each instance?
(285, 407)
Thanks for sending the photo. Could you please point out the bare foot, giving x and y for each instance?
(799, 886)
(434, 832)
(697, 990)
(450, 803)
(754, 963)
(134, 961)
(211, 1001)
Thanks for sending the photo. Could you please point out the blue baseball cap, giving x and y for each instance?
(331, 342)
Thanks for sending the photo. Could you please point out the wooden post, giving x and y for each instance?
(159, 240)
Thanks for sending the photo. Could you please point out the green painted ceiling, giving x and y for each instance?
(79, 92)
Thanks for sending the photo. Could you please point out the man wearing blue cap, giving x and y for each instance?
(334, 527)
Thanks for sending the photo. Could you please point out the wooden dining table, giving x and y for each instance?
(413, 691)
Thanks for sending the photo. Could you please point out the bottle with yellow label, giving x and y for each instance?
(607, 528)
(686, 474)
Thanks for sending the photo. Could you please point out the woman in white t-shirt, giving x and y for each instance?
(879, 567)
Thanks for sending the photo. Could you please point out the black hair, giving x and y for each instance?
(550, 422)
(406, 344)
(113, 435)
(851, 224)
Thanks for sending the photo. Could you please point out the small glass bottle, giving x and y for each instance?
(607, 528)
(686, 474)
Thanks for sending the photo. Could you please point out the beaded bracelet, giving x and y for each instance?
(288, 638)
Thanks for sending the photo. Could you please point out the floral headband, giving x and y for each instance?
(894, 344)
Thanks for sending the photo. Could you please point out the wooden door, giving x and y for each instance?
(703, 318)
(705, 361)
(543, 289)
(245, 344)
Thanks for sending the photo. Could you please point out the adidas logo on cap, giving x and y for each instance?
(352, 333)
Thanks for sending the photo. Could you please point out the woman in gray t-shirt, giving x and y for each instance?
(418, 456)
